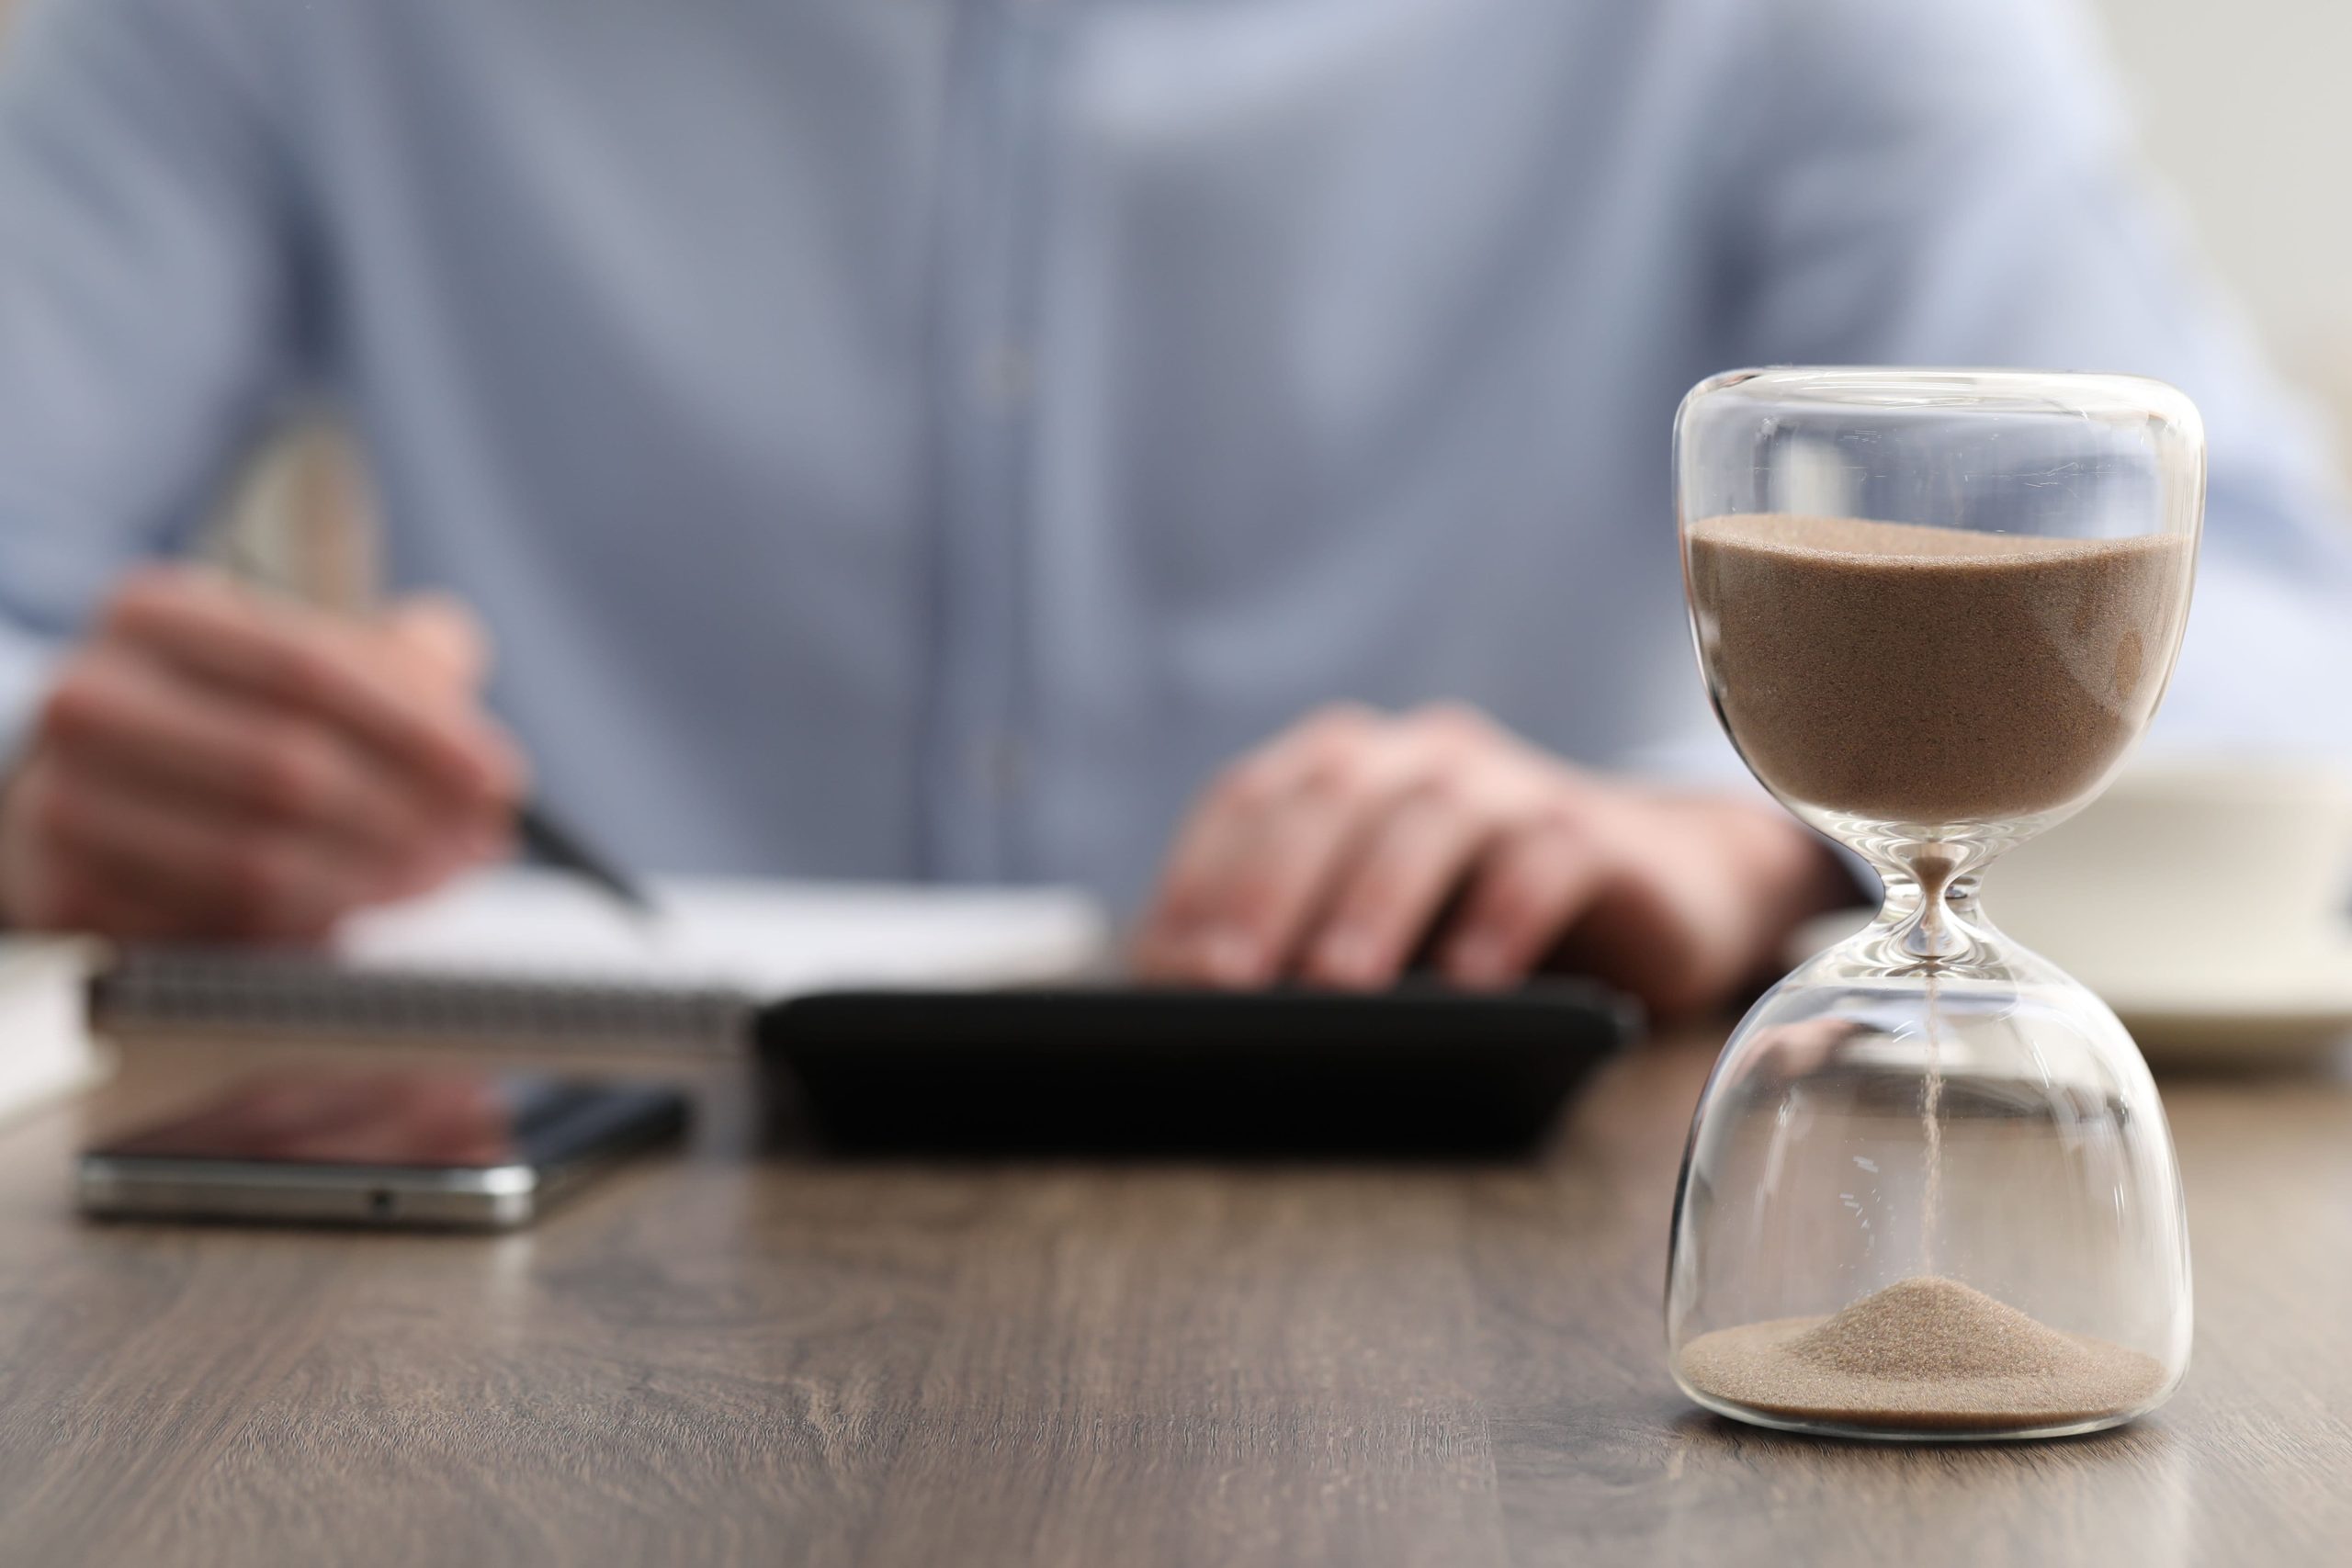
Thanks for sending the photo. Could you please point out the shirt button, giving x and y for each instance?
(1006, 376)
(999, 765)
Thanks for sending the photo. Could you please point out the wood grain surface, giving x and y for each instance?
(743, 1353)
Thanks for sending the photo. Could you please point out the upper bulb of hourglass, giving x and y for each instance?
(1901, 684)
(1934, 689)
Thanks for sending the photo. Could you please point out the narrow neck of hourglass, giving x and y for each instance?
(1931, 914)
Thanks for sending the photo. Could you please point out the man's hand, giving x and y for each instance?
(1333, 852)
(213, 763)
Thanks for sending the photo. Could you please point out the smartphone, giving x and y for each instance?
(435, 1148)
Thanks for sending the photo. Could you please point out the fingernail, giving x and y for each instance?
(1348, 954)
(1226, 957)
(502, 771)
(447, 860)
(1478, 960)
(489, 840)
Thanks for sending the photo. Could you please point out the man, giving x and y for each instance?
(930, 439)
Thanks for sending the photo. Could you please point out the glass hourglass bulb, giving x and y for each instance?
(1930, 1191)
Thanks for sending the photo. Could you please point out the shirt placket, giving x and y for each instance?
(993, 206)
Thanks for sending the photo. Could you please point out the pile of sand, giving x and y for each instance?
(1923, 1355)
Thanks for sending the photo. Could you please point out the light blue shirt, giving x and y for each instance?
(912, 438)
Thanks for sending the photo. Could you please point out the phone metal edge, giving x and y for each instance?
(137, 1187)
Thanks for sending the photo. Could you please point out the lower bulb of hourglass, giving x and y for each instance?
(1929, 1201)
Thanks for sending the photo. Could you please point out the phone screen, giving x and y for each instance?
(437, 1118)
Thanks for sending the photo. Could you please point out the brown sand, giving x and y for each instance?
(1926, 1355)
(1901, 673)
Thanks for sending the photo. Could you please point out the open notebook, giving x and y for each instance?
(539, 956)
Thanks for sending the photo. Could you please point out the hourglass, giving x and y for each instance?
(1930, 1191)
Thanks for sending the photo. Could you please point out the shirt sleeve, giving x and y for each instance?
(145, 298)
(1955, 182)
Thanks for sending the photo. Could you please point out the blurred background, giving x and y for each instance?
(2243, 114)
(2242, 118)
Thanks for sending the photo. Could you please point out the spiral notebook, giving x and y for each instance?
(527, 956)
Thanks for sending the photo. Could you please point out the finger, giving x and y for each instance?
(116, 710)
(1531, 885)
(443, 639)
(283, 654)
(1264, 888)
(204, 876)
(1258, 836)
(1256, 899)
(1245, 792)
(117, 906)
(1409, 865)
(50, 889)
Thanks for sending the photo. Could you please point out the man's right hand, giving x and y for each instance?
(214, 763)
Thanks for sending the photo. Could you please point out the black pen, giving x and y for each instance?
(556, 845)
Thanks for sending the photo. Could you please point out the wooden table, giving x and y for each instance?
(740, 1354)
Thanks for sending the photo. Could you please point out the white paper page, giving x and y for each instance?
(46, 1050)
(766, 938)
